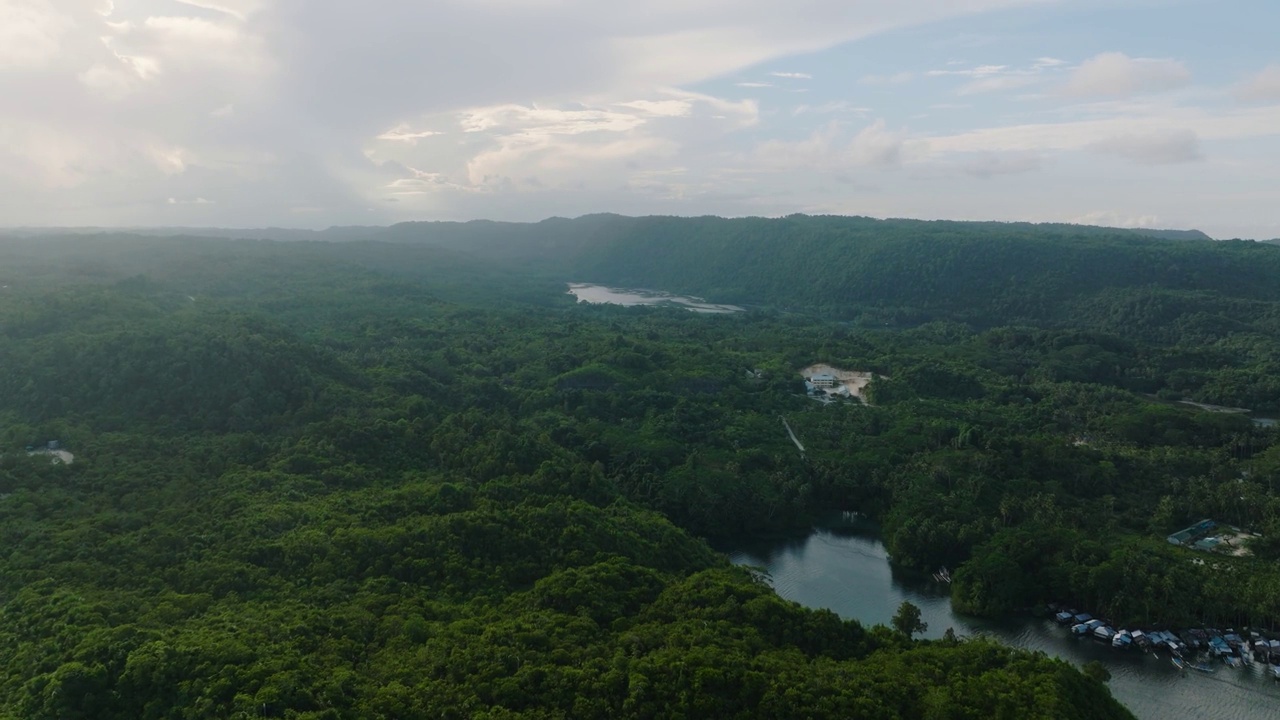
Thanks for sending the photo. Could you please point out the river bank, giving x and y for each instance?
(847, 570)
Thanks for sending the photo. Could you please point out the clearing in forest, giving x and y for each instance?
(842, 382)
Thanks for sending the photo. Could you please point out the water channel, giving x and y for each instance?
(848, 571)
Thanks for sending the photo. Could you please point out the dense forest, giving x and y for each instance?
(404, 475)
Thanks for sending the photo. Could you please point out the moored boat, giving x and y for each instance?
(1087, 627)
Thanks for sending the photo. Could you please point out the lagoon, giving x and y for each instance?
(848, 571)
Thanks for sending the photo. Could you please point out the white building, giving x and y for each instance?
(824, 380)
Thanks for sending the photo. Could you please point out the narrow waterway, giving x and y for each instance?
(849, 573)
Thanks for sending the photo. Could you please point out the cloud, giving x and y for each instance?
(830, 148)
(990, 164)
(1112, 218)
(998, 78)
(877, 146)
(403, 133)
(978, 72)
(238, 9)
(1179, 146)
(996, 84)
(192, 201)
(31, 33)
(1117, 75)
(792, 75)
(522, 149)
(1163, 125)
(753, 85)
(267, 106)
(899, 78)
(1263, 87)
(840, 106)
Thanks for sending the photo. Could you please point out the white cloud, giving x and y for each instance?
(1263, 87)
(990, 164)
(1178, 146)
(192, 201)
(1115, 74)
(266, 106)
(830, 148)
(753, 85)
(1112, 218)
(839, 106)
(1166, 126)
(998, 78)
(525, 149)
(878, 146)
(31, 33)
(238, 9)
(660, 108)
(792, 75)
(977, 72)
(996, 84)
(403, 133)
(899, 78)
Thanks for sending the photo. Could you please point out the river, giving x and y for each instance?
(849, 573)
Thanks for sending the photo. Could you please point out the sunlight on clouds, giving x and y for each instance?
(169, 160)
(403, 133)
(31, 33)
(577, 104)
(518, 148)
(238, 9)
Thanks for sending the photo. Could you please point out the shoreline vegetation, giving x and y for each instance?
(410, 476)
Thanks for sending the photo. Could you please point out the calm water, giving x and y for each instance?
(850, 574)
(601, 294)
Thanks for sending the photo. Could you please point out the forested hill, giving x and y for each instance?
(882, 272)
(892, 271)
(986, 273)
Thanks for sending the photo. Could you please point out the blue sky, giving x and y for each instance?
(294, 113)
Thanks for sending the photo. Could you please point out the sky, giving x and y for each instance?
(312, 113)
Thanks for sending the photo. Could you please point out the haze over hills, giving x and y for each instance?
(881, 271)
(378, 232)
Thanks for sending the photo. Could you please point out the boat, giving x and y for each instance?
(1086, 628)
(1103, 633)
(1202, 667)
(1179, 663)
(1064, 617)
(1123, 640)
